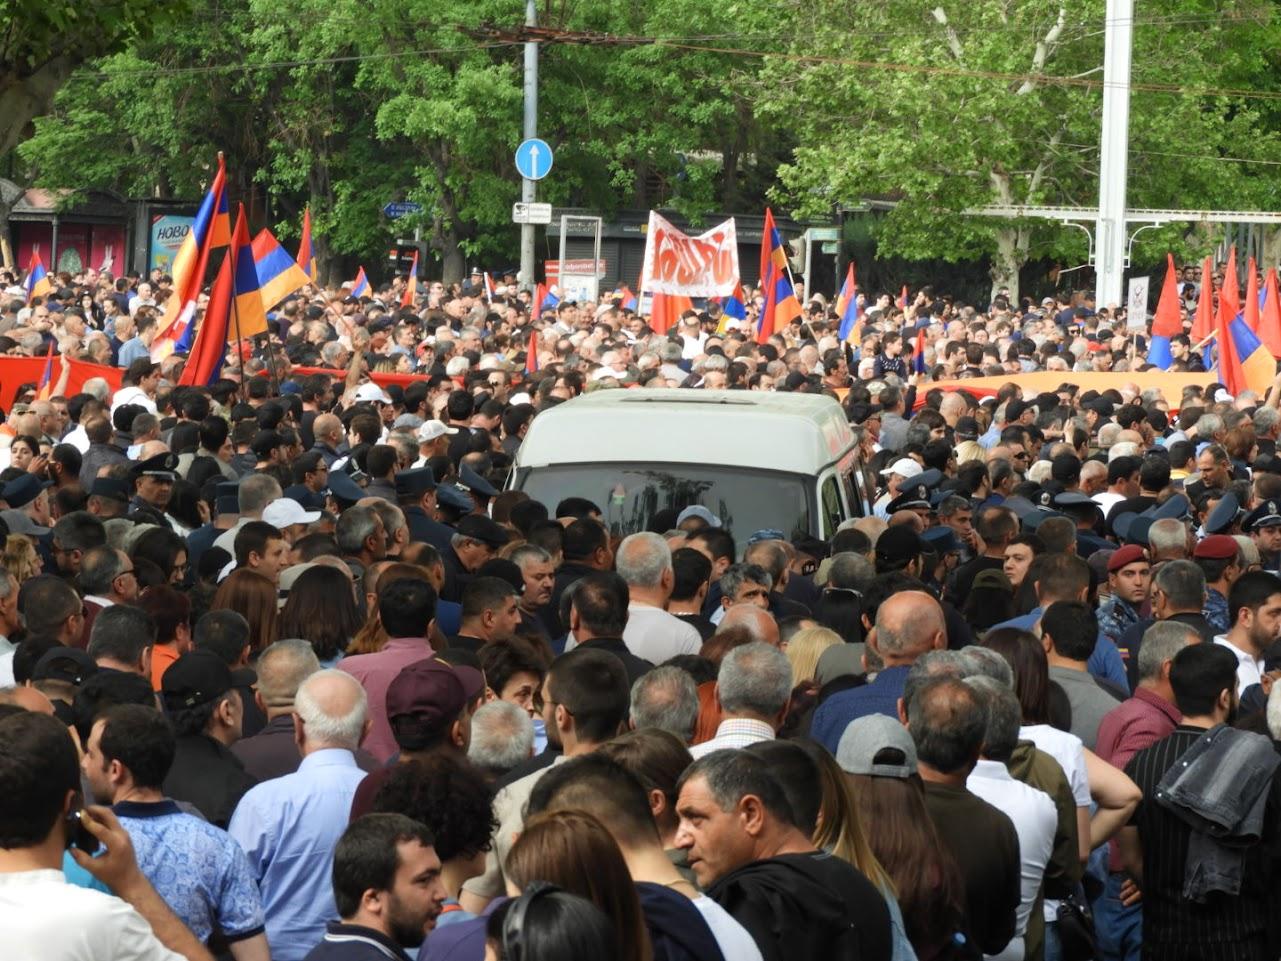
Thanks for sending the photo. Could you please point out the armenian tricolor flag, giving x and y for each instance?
(306, 257)
(38, 283)
(411, 287)
(847, 305)
(732, 307)
(211, 230)
(360, 286)
(46, 375)
(1203, 323)
(278, 274)
(209, 349)
(1270, 321)
(490, 287)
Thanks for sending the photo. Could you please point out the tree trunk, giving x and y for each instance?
(453, 261)
(1271, 253)
(22, 99)
(1011, 255)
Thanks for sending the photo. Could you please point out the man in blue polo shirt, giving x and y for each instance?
(907, 625)
(202, 874)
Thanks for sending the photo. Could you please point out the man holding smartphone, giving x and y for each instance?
(41, 915)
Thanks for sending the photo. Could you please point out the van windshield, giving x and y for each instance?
(631, 494)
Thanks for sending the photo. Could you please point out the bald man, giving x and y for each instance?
(27, 698)
(759, 622)
(328, 432)
(288, 826)
(908, 624)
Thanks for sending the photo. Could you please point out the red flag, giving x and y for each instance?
(210, 345)
(665, 311)
(411, 287)
(1229, 295)
(1270, 322)
(1203, 325)
(531, 351)
(1231, 373)
(306, 259)
(1252, 297)
(1168, 319)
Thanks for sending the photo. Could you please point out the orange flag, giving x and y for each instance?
(1270, 322)
(1203, 325)
(665, 311)
(1252, 297)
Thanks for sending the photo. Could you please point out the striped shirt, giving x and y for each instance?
(1169, 919)
(734, 732)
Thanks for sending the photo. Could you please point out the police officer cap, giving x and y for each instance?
(447, 495)
(1224, 514)
(415, 482)
(469, 480)
(163, 466)
(1265, 515)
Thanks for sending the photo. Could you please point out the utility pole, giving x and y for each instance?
(528, 187)
(1110, 229)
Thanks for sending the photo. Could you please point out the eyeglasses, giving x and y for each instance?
(123, 573)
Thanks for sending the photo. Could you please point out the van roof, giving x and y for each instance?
(796, 433)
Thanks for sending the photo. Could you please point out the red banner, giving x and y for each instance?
(16, 371)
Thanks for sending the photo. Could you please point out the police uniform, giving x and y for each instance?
(162, 467)
(422, 528)
(1267, 514)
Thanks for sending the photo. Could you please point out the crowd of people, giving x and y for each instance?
(287, 673)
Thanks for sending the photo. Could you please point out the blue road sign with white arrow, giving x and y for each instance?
(401, 208)
(533, 159)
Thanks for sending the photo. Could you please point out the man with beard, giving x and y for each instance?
(1155, 846)
(388, 890)
(1254, 605)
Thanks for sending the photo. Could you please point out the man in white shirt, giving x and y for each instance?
(41, 915)
(1254, 609)
(644, 561)
(753, 690)
(1032, 812)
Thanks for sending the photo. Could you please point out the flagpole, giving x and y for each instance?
(271, 364)
(235, 317)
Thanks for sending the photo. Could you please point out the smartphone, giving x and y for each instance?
(80, 836)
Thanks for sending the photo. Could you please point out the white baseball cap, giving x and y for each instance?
(432, 429)
(372, 392)
(904, 467)
(285, 511)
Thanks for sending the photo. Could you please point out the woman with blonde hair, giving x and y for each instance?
(805, 648)
(253, 597)
(20, 558)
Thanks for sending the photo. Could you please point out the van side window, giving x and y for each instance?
(833, 513)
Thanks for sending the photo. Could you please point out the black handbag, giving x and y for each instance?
(1076, 930)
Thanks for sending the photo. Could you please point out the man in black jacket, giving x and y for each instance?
(751, 858)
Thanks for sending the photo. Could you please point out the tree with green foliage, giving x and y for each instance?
(944, 107)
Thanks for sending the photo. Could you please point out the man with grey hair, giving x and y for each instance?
(281, 669)
(644, 562)
(1178, 595)
(502, 736)
(289, 826)
(361, 536)
(255, 493)
(753, 691)
(1168, 538)
(9, 625)
(908, 624)
(666, 698)
(1032, 812)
